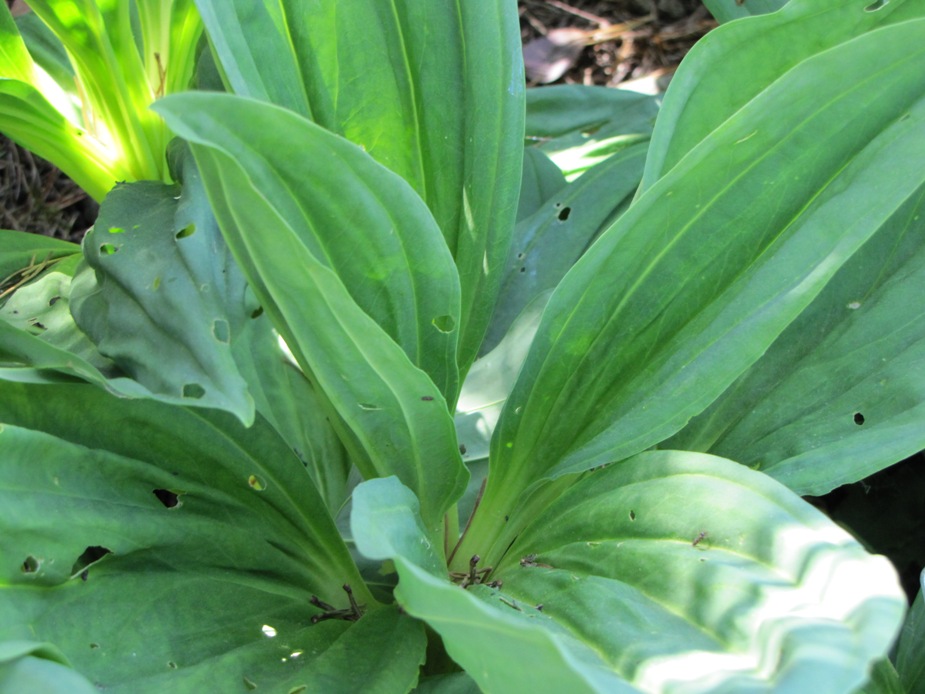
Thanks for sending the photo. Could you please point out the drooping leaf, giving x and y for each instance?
(162, 297)
(841, 394)
(690, 286)
(734, 64)
(195, 544)
(391, 415)
(447, 114)
(910, 655)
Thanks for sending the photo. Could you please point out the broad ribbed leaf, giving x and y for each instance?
(504, 648)
(300, 233)
(910, 655)
(841, 394)
(736, 63)
(434, 91)
(708, 267)
(186, 536)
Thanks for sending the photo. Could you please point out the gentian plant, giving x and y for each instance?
(400, 377)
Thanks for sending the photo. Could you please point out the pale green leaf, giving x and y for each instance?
(727, 10)
(26, 666)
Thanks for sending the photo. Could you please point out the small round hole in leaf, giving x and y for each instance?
(858, 418)
(31, 565)
(257, 312)
(221, 331)
(168, 498)
(94, 646)
(186, 231)
(193, 390)
(54, 300)
(444, 324)
(564, 213)
(632, 515)
(108, 249)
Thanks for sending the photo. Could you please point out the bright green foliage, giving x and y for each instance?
(245, 439)
(78, 94)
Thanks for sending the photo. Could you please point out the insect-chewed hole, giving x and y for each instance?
(168, 498)
(30, 565)
(220, 330)
(193, 390)
(257, 312)
(876, 5)
(108, 249)
(90, 556)
(54, 300)
(186, 231)
(116, 230)
(172, 665)
(564, 213)
(444, 324)
(258, 484)
(632, 515)
(858, 418)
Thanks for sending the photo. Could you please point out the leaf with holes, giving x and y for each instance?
(206, 536)
(162, 297)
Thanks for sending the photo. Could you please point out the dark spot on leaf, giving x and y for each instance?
(427, 398)
(54, 300)
(168, 498)
(540, 607)
(564, 213)
(257, 312)
(186, 231)
(520, 256)
(632, 515)
(876, 5)
(858, 418)
(220, 330)
(90, 556)
(523, 269)
(94, 646)
(84, 575)
(172, 665)
(444, 324)
(462, 449)
(40, 326)
(249, 684)
(108, 249)
(193, 390)
(506, 518)
(30, 565)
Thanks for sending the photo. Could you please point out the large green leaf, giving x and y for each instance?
(160, 547)
(691, 285)
(671, 572)
(727, 10)
(432, 91)
(736, 63)
(162, 297)
(841, 394)
(274, 213)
